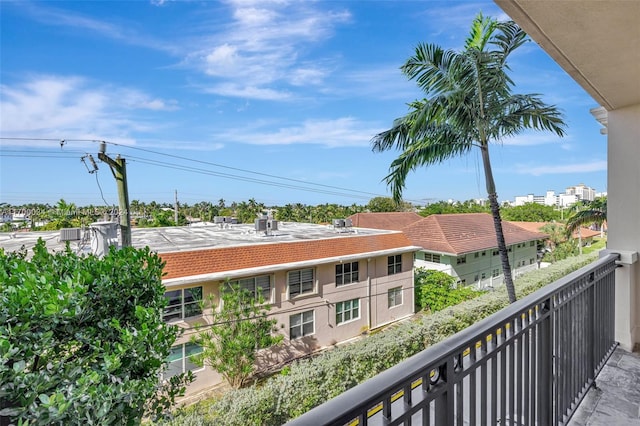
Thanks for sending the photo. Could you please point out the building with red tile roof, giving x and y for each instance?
(325, 284)
(463, 245)
(390, 220)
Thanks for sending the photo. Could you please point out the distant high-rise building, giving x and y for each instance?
(582, 191)
(572, 195)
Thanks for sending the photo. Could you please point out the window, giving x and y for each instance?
(495, 272)
(431, 257)
(346, 273)
(347, 311)
(183, 303)
(476, 254)
(394, 264)
(301, 324)
(475, 278)
(461, 259)
(532, 243)
(484, 253)
(178, 361)
(300, 282)
(495, 252)
(395, 296)
(259, 286)
(484, 275)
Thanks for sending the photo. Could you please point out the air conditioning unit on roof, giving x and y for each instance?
(261, 224)
(70, 234)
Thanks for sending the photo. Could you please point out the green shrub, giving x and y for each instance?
(435, 290)
(313, 381)
(82, 340)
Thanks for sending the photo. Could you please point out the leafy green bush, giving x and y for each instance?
(435, 290)
(313, 381)
(82, 340)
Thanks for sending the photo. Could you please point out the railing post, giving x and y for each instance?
(444, 405)
(545, 392)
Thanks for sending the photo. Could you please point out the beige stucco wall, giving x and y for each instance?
(371, 289)
(623, 217)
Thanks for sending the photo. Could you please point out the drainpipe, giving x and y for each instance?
(368, 295)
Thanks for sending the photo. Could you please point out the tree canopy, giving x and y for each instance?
(82, 340)
(239, 329)
(531, 212)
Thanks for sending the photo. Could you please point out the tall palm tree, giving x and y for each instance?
(469, 103)
(594, 212)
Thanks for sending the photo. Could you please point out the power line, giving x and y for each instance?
(331, 190)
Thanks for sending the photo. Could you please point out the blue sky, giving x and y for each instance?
(272, 100)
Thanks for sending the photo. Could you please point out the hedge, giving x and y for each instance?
(310, 382)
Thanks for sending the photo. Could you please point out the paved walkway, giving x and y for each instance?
(616, 400)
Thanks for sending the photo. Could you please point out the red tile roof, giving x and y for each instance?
(392, 220)
(464, 233)
(537, 226)
(209, 261)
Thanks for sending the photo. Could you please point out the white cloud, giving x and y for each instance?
(587, 167)
(73, 107)
(263, 47)
(248, 92)
(341, 132)
(123, 31)
(532, 139)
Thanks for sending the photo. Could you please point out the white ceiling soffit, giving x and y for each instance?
(596, 41)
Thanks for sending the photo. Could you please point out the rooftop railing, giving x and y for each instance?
(529, 364)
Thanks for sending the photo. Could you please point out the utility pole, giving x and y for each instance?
(119, 169)
(175, 209)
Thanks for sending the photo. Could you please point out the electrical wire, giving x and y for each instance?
(338, 191)
(100, 188)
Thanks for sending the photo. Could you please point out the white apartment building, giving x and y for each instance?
(572, 195)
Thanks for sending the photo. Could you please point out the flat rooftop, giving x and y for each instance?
(195, 237)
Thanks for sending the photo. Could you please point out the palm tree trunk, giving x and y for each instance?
(497, 223)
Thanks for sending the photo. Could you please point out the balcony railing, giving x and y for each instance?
(529, 364)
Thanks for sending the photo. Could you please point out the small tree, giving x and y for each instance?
(82, 340)
(239, 329)
(436, 290)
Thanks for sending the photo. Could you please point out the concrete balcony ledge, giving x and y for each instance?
(616, 399)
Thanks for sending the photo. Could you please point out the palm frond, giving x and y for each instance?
(596, 212)
(528, 112)
(437, 143)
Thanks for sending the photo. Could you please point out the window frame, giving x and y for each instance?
(264, 291)
(354, 275)
(184, 360)
(301, 283)
(392, 295)
(394, 264)
(350, 308)
(302, 324)
(186, 309)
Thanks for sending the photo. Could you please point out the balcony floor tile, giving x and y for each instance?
(616, 400)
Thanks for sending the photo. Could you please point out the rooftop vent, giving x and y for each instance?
(70, 234)
(338, 223)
